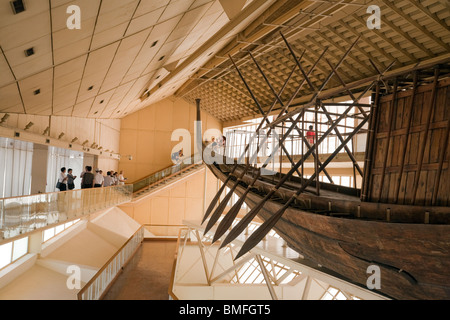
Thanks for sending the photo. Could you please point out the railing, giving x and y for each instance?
(163, 174)
(163, 231)
(98, 286)
(24, 214)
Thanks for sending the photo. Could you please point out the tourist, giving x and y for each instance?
(107, 181)
(62, 181)
(98, 179)
(70, 180)
(88, 179)
(122, 180)
(311, 135)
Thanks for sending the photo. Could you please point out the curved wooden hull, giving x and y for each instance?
(414, 258)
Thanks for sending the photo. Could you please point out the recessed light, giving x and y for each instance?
(118, 111)
(90, 88)
(162, 58)
(17, 6)
(29, 52)
(102, 101)
(158, 77)
(154, 44)
(36, 92)
(95, 112)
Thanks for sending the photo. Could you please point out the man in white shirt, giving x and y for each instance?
(98, 179)
(107, 182)
(122, 179)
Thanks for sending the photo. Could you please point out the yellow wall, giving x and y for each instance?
(183, 200)
(146, 135)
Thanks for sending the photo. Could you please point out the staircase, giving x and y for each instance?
(167, 180)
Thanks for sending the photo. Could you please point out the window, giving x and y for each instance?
(58, 158)
(13, 251)
(336, 294)
(52, 232)
(16, 159)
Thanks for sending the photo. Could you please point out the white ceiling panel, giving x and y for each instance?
(41, 103)
(88, 8)
(175, 8)
(69, 72)
(99, 104)
(102, 69)
(114, 13)
(42, 59)
(24, 32)
(72, 51)
(145, 21)
(147, 6)
(33, 8)
(82, 109)
(10, 99)
(6, 76)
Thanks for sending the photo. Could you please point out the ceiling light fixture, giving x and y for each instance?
(154, 44)
(161, 58)
(5, 117)
(74, 140)
(29, 125)
(29, 52)
(17, 6)
(61, 135)
(46, 131)
(85, 143)
(36, 92)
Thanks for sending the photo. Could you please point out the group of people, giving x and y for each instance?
(221, 142)
(89, 179)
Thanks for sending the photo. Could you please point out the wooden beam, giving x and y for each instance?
(408, 37)
(357, 47)
(416, 24)
(351, 55)
(408, 129)
(421, 153)
(391, 119)
(385, 54)
(386, 39)
(433, 16)
(346, 64)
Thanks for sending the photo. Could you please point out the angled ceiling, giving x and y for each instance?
(411, 31)
(129, 54)
(99, 71)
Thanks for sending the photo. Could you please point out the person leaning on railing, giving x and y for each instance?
(88, 179)
(62, 181)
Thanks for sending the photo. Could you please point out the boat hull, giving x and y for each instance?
(413, 258)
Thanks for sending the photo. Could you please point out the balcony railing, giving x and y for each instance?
(25, 214)
(97, 287)
(164, 174)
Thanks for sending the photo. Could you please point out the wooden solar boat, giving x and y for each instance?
(399, 221)
(347, 236)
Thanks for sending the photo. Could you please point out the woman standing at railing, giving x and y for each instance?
(62, 181)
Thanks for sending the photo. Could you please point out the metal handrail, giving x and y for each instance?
(162, 175)
(100, 283)
(25, 214)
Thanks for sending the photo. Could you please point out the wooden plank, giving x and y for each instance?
(431, 106)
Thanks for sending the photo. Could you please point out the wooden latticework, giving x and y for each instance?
(411, 32)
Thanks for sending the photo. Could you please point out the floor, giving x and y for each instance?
(147, 275)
